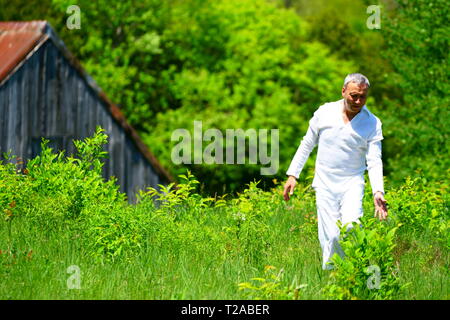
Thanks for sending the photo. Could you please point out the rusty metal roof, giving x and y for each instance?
(19, 40)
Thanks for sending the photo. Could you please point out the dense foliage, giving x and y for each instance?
(236, 64)
(417, 124)
(264, 65)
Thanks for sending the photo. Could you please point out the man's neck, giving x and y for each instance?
(347, 113)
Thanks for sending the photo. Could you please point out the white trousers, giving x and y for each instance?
(344, 206)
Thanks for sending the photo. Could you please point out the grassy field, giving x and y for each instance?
(67, 234)
(202, 257)
(35, 261)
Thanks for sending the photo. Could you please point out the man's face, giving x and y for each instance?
(355, 96)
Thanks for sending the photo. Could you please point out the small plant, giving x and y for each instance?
(249, 213)
(270, 286)
(90, 151)
(179, 200)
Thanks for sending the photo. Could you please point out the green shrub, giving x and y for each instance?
(77, 180)
(368, 270)
(422, 207)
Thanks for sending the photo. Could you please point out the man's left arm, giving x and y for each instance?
(375, 171)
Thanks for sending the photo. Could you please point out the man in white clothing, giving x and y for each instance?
(349, 138)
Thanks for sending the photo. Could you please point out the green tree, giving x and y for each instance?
(246, 64)
(232, 64)
(417, 126)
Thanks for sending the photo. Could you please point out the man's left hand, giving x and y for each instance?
(380, 206)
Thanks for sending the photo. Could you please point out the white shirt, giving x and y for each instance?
(344, 149)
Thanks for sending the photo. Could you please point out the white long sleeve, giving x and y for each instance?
(307, 144)
(374, 162)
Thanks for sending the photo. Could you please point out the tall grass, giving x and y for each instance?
(175, 244)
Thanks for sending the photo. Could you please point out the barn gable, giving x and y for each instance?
(44, 92)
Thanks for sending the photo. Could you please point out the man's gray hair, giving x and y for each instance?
(357, 78)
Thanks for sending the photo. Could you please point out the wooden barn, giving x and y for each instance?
(44, 92)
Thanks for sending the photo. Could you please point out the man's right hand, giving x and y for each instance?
(289, 187)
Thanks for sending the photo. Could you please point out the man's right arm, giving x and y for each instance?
(308, 143)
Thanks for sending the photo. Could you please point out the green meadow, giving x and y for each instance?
(68, 234)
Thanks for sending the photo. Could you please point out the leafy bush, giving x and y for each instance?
(417, 208)
(368, 270)
(54, 191)
(422, 207)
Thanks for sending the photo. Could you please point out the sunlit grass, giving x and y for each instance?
(34, 264)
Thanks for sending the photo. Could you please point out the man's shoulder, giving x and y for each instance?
(328, 106)
(331, 104)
